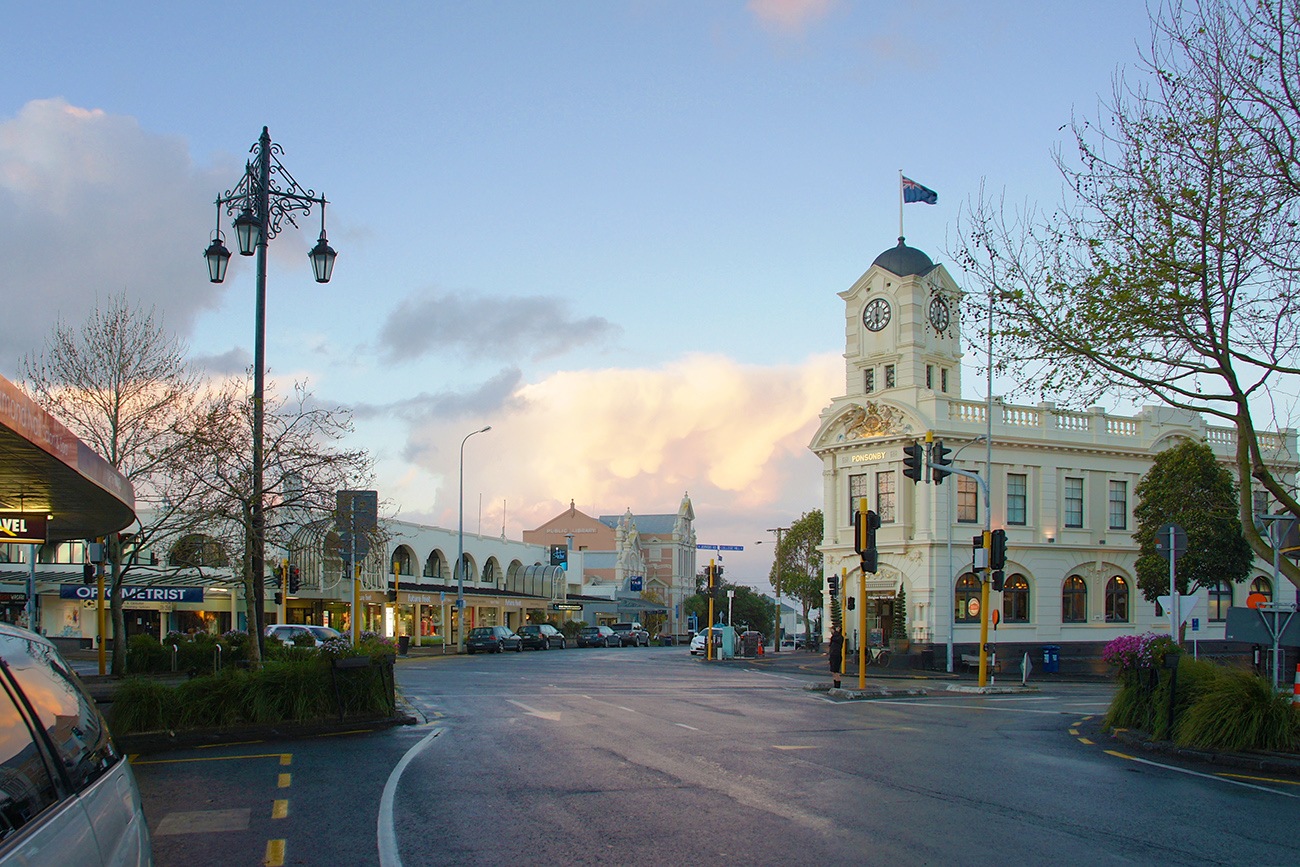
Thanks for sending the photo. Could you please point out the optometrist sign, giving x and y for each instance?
(135, 594)
(29, 527)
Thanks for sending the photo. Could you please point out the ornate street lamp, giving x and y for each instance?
(265, 197)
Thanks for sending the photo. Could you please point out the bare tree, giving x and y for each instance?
(1170, 269)
(304, 468)
(121, 384)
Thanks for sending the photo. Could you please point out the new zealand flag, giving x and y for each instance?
(914, 192)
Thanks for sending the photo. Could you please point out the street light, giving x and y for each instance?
(952, 618)
(265, 197)
(460, 546)
(776, 630)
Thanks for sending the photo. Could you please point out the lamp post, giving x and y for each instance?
(265, 197)
(777, 562)
(460, 546)
(952, 619)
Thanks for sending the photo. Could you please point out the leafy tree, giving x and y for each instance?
(304, 469)
(120, 382)
(1188, 487)
(654, 621)
(749, 609)
(1169, 271)
(797, 567)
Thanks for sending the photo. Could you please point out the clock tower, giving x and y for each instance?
(902, 330)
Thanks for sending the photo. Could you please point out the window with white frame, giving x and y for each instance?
(886, 492)
(858, 488)
(1073, 502)
(968, 501)
(1017, 498)
(889, 376)
(1118, 505)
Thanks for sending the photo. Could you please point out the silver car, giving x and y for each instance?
(68, 796)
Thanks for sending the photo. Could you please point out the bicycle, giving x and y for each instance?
(878, 656)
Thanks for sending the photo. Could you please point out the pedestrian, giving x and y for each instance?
(836, 645)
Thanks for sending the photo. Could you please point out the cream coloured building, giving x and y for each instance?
(1063, 486)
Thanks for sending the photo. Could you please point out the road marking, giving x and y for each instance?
(793, 747)
(231, 744)
(203, 822)
(208, 759)
(1262, 779)
(1222, 778)
(283, 781)
(274, 854)
(1085, 741)
(685, 726)
(628, 709)
(286, 758)
(279, 808)
(1074, 731)
(552, 715)
(386, 832)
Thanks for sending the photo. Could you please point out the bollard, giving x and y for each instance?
(216, 659)
(175, 650)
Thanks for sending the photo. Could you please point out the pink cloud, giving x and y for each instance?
(790, 16)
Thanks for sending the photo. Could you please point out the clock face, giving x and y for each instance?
(938, 314)
(876, 314)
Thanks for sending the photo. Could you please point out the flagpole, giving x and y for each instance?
(900, 204)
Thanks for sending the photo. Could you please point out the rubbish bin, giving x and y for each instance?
(1051, 658)
(667, 640)
(403, 645)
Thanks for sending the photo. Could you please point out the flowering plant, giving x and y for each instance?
(1130, 653)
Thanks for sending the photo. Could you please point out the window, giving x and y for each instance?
(943, 379)
(1118, 505)
(869, 380)
(885, 497)
(1017, 498)
(1015, 600)
(28, 787)
(1074, 600)
(1220, 600)
(1074, 502)
(1117, 600)
(929, 376)
(1262, 586)
(968, 592)
(857, 490)
(968, 500)
(889, 376)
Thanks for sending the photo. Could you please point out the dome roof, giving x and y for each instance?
(904, 261)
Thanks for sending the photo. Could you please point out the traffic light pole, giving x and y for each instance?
(985, 577)
(708, 644)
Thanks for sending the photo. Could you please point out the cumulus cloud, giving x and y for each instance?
(91, 204)
(472, 326)
(495, 394)
(732, 435)
(790, 17)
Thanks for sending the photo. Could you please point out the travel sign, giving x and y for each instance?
(28, 527)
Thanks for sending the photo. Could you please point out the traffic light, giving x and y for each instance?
(940, 460)
(865, 525)
(978, 554)
(914, 461)
(998, 550)
(279, 598)
(392, 595)
(850, 603)
(88, 573)
(999, 579)
(295, 579)
(834, 581)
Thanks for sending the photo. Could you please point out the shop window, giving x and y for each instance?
(1117, 600)
(1220, 600)
(1074, 600)
(968, 591)
(1015, 600)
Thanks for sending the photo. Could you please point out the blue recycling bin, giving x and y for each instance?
(1051, 658)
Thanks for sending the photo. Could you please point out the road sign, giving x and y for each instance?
(1186, 605)
(1163, 540)
(720, 547)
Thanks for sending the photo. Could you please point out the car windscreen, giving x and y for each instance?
(482, 631)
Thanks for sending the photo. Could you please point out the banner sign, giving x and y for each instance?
(566, 606)
(29, 527)
(135, 594)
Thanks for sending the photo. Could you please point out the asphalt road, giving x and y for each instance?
(647, 756)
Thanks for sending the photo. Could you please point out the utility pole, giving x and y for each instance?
(780, 561)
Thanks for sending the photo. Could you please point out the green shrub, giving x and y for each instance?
(1239, 710)
(141, 705)
(144, 654)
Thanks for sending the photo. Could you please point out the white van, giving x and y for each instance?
(67, 796)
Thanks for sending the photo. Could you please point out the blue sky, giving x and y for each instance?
(613, 230)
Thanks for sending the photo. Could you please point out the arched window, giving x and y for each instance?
(196, 551)
(402, 561)
(1074, 600)
(1220, 600)
(1015, 600)
(1264, 587)
(968, 591)
(1117, 600)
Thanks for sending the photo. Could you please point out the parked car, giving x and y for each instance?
(789, 641)
(542, 636)
(492, 639)
(290, 633)
(69, 796)
(699, 642)
(598, 636)
(633, 634)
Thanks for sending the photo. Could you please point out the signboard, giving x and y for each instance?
(566, 606)
(28, 527)
(720, 547)
(1186, 605)
(559, 555)
(1250, 625)
(638, 583)
(355, 513)
(1165, 534)
(135, 594)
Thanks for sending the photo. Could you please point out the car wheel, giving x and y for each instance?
(500, 647)
(519, 648)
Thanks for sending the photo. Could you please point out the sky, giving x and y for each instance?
(612, 230)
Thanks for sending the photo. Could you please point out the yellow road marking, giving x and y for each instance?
(279, 808)
(1117, 754)
(283, 781)
(286, 758)
(1074, 732)
(1262, 779)
(337, 734)
(274, 854)
(232, 744)
(1085, 741)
